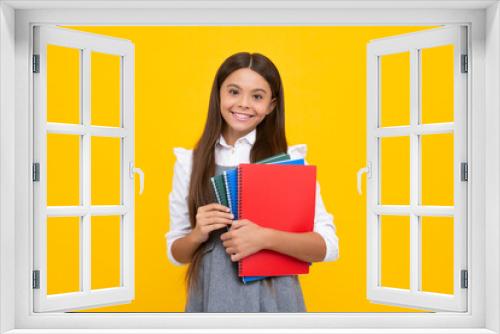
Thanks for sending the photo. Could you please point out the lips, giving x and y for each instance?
(241, 116)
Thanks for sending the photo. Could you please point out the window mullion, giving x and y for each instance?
(85, 242)
(414, 172)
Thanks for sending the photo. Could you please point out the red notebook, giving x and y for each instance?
(281, 197)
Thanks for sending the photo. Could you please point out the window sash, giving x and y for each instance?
(412, 43)
(86, 297)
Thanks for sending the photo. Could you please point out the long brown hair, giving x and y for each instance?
(270, 139)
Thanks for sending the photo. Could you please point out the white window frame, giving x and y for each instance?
(85, 43)
(16, 214)
(413, 43)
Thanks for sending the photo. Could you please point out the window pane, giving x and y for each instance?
(437, 84)
(395, 251)
(105, 80)
(63, 84)
(106, 170)
(105, 250)
(395, 170)
(63, 169)
(437, 254)
(437, 169)
(63, 254)
(395, 89)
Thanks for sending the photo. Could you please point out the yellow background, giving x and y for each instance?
(324, 76)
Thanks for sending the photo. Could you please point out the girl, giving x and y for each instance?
(245, 123)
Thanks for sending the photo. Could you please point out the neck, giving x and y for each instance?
(231, 136)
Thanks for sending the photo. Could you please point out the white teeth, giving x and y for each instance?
(241, 117)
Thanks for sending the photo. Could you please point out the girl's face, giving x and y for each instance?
(245, 99)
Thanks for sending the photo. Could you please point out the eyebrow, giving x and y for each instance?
(256, 89)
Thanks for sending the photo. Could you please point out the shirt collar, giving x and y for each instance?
(249, 138)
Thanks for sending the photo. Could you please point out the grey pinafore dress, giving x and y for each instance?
(221, 290)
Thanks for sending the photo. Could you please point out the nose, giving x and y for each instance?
(243, 102)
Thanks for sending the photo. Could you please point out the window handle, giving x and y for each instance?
(135, 170)
(366, 170)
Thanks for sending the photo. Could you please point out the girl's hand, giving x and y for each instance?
(209, 218)
(245, 238)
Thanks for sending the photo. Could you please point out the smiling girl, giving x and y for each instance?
(245, 123)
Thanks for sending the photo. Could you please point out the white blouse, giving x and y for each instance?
(227, 155)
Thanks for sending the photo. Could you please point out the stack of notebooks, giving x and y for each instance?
(277, 193)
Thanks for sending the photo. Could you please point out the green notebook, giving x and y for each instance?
(219, 187)
(275, 158)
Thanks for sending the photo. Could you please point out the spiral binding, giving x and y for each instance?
(240, 209)
(215, 190)
(228, 195)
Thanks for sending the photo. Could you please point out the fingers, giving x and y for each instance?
(214, 220)
(214, 217)
(239, 224)
(228, 244)
(226, 236)
(236, 225)
(214, 227)
(213, 206)
(220, 214)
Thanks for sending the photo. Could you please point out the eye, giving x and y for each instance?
(232, 90)
(259, 97)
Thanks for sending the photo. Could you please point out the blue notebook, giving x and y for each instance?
(231, 179)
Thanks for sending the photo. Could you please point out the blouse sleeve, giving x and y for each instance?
(323, 220)
(179, 212)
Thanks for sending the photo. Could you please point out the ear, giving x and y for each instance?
(272, 106)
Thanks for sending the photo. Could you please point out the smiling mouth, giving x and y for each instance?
(240, 116)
